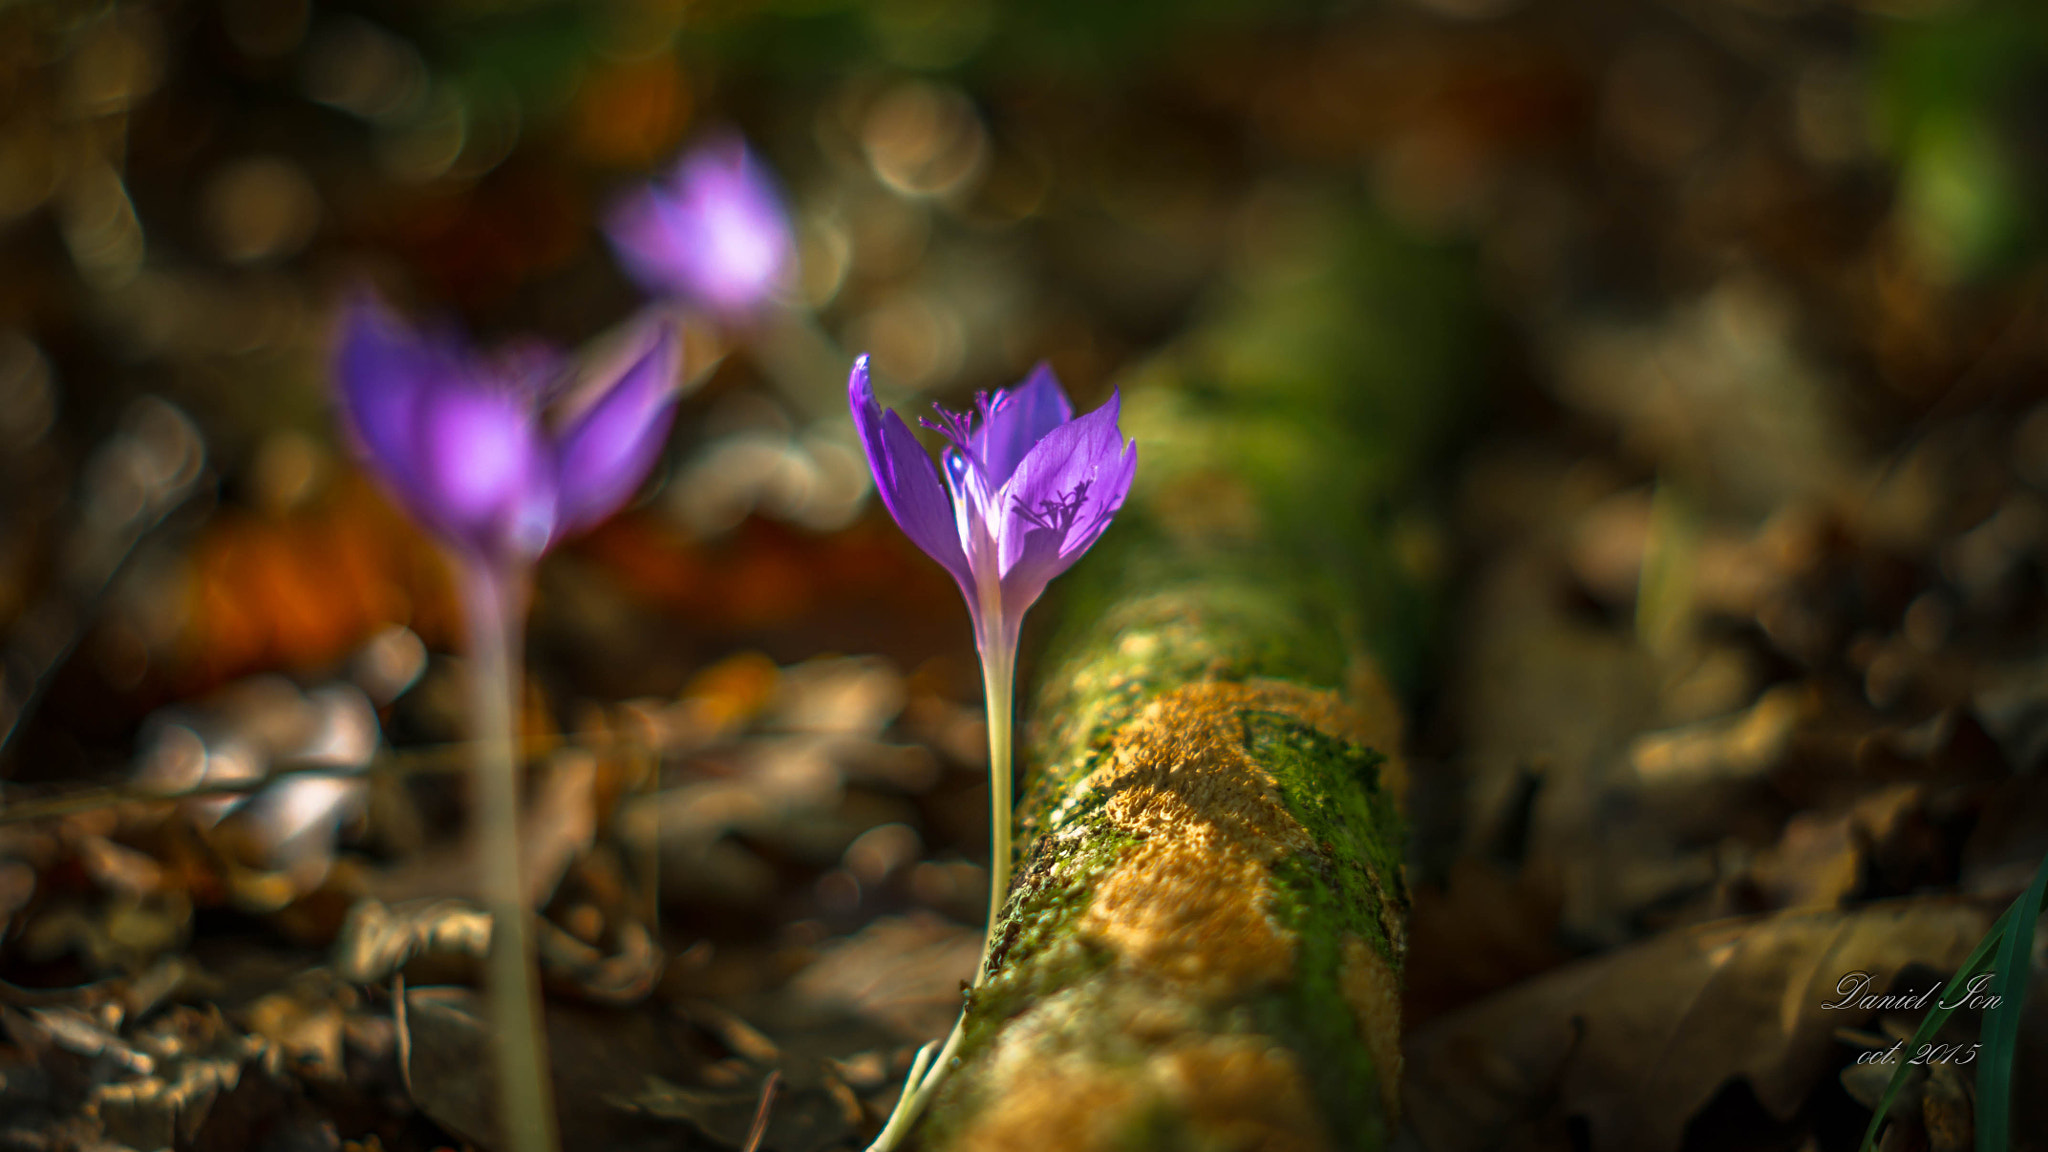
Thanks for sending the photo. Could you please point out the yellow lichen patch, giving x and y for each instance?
(1236, 1092)
(1242, 1093)
(1198, 918)
(1057, 1105)
(1192, 900)
(1179, 768)
(1370, 987)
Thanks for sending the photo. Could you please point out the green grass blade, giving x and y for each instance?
(1936, 1017)
(2002, 1022)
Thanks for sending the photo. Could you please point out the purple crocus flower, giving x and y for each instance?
(712, 232)
(460, 438)
(1028, 487)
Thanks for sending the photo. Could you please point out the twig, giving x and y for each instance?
(760, 1128)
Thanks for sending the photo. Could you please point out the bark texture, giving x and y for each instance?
(1203, 944)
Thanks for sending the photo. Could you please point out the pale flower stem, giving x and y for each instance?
(998, 668)
(998, 678)
(496, 612)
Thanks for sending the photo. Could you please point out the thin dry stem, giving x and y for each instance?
(759, 1130)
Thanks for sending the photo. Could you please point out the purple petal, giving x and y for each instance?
(604, 455)
(905, 477)
(1018, 419)
(382, 366)
(1060, 500)
(1045, 554)
(483, 468)
(715, 232)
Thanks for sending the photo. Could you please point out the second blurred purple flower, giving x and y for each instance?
(461, 439)
(712, 232)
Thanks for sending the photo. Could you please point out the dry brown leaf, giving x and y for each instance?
(200, 1059)
(1485, 929)
(1821, 857)
(804, 1120)
(560, 824)
(903, 973)
(593, 1053)
(598, 1056)
(305, 1022)
(379, 940)
(1747, 743)
(2008, 843)
(1637, 1041)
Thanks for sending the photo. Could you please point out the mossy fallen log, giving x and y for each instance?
(1203, 944)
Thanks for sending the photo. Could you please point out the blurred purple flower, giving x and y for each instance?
(1028, 487)
(713, 231)
(460, 438)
